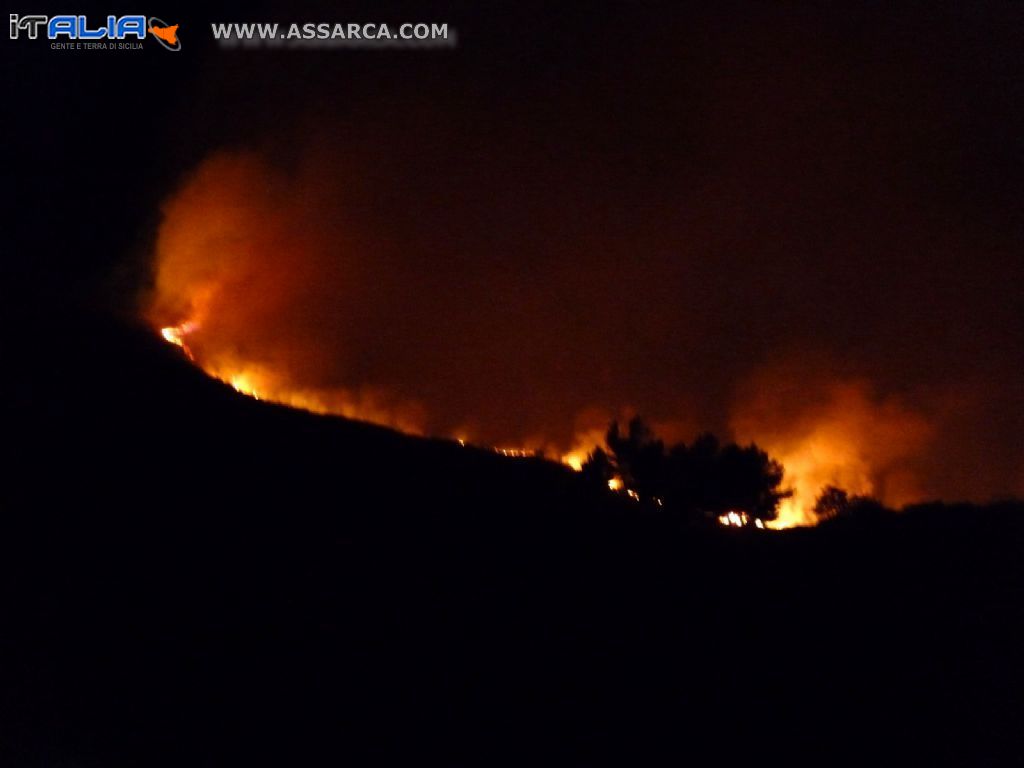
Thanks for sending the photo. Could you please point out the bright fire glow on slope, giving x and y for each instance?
(834, 434)
(828, 449)
(176, 334)
(255, 280)
(262, 383)
(823, 453)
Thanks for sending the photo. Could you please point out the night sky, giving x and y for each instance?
(778, 222)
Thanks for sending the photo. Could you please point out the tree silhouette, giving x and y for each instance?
(835, 503)
(831, 502)
(867, 509)
(705, 479)
(639, 457)
(750, 481)
(598, 469)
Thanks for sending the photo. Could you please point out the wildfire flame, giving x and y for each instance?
(825, 455)
(738, 519)
(575, 460)
(249, 272)
(807, 461)
(176, 334)
(258, 384)
(839, 434)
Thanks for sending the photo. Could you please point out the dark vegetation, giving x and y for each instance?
(700, 481)
(192, 578)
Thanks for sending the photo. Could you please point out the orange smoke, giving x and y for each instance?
(832, 434)
(242, 250)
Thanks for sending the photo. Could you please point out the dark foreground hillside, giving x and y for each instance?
(193, 578)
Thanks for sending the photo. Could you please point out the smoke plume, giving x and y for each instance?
(723, 227)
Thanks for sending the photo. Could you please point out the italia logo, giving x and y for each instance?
(165, 34)
(78, 28)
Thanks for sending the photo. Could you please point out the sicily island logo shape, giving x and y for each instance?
(165, 34)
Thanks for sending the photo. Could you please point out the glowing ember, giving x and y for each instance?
(518, 453)
(173, 335)
(176, 335)
(739, 519)
(734, 519)
(615, 484)
(242, 383)
(575, 460)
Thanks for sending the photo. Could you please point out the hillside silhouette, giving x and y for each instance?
(192, 577)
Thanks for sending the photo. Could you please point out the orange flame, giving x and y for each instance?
(836, 434)
(239, 255)
(826, 449)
